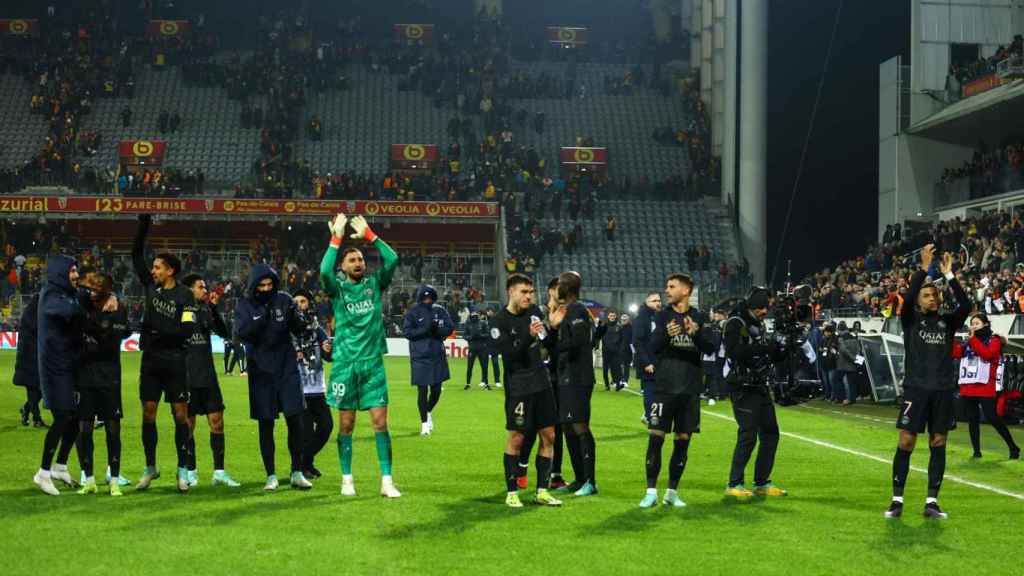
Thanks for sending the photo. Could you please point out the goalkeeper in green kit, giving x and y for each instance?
(357, 380)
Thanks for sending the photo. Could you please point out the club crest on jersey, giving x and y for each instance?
(368, 292)
(495, 333)
(942, 324)
(654, 326)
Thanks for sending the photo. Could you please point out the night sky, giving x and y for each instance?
(836, 211)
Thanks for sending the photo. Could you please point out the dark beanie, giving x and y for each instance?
(759, 298)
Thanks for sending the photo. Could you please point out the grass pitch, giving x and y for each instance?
(452, 518)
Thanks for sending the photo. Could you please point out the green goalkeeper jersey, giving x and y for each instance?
(358, 316)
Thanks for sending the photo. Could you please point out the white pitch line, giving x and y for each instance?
(829, 445)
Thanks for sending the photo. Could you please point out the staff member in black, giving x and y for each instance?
(677, 343)
(26, 365)
(529, 401)
(493, 355)
(929, 386)
(749, 354)
(105, 326)
(642, 330)
(575, 329)
(167, 325)
(205, 396)
(609, 336)
(477, 334)
(59, 342)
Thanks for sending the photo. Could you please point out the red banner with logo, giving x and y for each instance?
(167, 28)
(148, 152)
(414, 33)
(578, 155)
(415, 153)
(213, 206)
(568, 35)
(19, 27)
(983, 84)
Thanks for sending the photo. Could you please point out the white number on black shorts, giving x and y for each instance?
(906, 411)
(657, 408)
(519, 410)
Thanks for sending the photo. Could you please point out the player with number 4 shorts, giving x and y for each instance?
(357, 380)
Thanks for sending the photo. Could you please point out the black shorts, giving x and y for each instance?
(205, 400)
(674, 412)
(574, 404)
(932, 408)
(163, 373)
(101, 402)
(531, 412)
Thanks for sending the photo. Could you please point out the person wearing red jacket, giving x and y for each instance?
(980, 396)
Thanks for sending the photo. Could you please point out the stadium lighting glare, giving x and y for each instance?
(633, 308)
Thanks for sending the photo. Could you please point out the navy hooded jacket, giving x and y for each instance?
(61, 315)
(266, 326)
(426, 326)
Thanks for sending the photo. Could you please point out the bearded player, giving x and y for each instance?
(357, 380)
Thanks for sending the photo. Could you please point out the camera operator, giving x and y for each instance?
(929, 388)
(749, 356)
(828, 355)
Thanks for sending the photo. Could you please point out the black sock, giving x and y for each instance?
(421, 402)
(435, 396)
(67, 440)
(295, 441)
(190, 449)
(974, 431)
(543, 471)
(677, 463)
(52, 440)
(267, 445)
(85, 447)
(113, 429)
(588, 455)
(556, 460)
(936, 470)
(217, 448)
(572, 444)
(654, 444)
(511, 462)
(181, 436)
(900, 470)
(149, 439)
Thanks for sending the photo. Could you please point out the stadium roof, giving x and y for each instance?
(989, 117)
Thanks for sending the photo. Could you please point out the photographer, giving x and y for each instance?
(749, 356)
(828, 355)
(846, 365)
(980, 358)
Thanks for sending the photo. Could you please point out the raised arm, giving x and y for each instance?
(388, 256)
(139, 250)
(328, 277)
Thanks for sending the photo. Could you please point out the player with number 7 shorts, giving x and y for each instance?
(357, 380)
